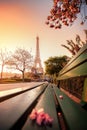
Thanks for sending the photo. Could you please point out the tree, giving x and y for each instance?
(21, 60)
(3, 60)
(64, 12)
(54, 64)
(86, 35)
(75, 47)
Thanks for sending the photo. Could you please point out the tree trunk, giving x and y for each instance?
(2, 71)
(23, 76)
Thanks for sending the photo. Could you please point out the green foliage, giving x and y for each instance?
(54, 64)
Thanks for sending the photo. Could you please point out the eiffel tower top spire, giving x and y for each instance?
(37, 61)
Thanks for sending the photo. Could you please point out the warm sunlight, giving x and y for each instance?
(20, 23)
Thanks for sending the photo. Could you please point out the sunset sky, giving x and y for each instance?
(22, 20)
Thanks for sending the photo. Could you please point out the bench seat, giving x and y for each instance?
(12, 110)
(74, 115)
(48, 104)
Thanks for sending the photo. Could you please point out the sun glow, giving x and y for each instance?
(21, 22)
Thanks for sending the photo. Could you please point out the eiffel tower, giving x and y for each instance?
(37, 61)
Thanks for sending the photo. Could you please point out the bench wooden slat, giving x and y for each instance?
(12, 109)
(80, 56)
(47, 102)
(80, 60)
(75, 116)
(80, 70)
(4, 94)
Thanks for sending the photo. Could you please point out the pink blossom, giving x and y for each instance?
(33, 114)
(61, 96)
(41, 117)
(48, 120)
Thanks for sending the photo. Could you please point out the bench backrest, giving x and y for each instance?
(77, 67)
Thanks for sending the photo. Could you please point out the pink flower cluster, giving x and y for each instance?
(63, 12)
(41, 117)
(61, 96)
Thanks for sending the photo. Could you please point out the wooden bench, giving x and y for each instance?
(14, 110)
(74, 115)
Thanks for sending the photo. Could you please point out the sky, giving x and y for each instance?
(21, 21)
